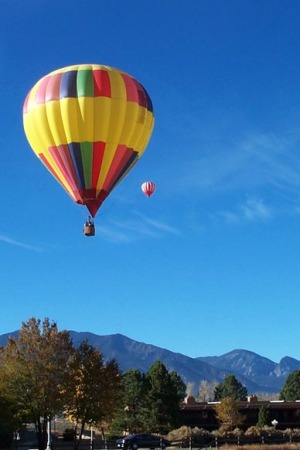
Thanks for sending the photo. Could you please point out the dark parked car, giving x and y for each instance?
(134, 441)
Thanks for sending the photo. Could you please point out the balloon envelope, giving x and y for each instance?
(89, 125)
(148, 187)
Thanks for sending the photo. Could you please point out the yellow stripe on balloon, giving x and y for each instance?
(118, 89)
(102, 118)
(69, 116)
(37, 128)
(109, 153)
(56, 124)
(146, 132)
(88, 119)
(86, 106)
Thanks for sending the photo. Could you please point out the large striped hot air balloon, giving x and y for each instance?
(89, 125)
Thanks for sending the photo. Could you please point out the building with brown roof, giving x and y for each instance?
(202, 414)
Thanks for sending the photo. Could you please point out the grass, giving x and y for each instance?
(287, 446)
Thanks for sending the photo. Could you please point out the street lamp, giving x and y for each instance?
(16, 438)
(91, 443)
(49, 433)
(274, 423)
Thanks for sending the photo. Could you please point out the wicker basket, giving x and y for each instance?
(89, 230)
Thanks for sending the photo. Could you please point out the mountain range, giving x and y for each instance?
(260, 375)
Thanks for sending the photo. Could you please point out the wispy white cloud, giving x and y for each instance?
(112, 235)
(253, 210)
(257, 161)
(136, 228)
(157, 224)
(10, 241)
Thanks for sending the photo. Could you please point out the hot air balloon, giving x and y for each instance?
(148, 187)
(89, 125)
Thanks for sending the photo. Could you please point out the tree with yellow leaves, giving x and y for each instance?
(228, 414)
(34, 372)
(94, 389)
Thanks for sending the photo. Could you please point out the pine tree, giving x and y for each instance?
(263, 416)
(232, 388)
(291, 388)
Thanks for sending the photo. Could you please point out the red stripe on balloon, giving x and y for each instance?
(131, 89)
(25, 106)
(102, 87)
(53, 87)
(98, 152)
(60, 156)
(136, 93)
(118, 167)
(59, 179)
(41, 91)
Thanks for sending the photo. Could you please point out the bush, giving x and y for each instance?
(253, 431)
(179, 433)
(221, 433)
(185, 432)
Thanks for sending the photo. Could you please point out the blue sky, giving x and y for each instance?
(211, 262)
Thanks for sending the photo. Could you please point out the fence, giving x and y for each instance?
(188, 443)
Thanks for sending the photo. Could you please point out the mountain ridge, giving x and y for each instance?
(259, 374)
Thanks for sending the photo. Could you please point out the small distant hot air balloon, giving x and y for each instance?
(148, 187)
(89, 125)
